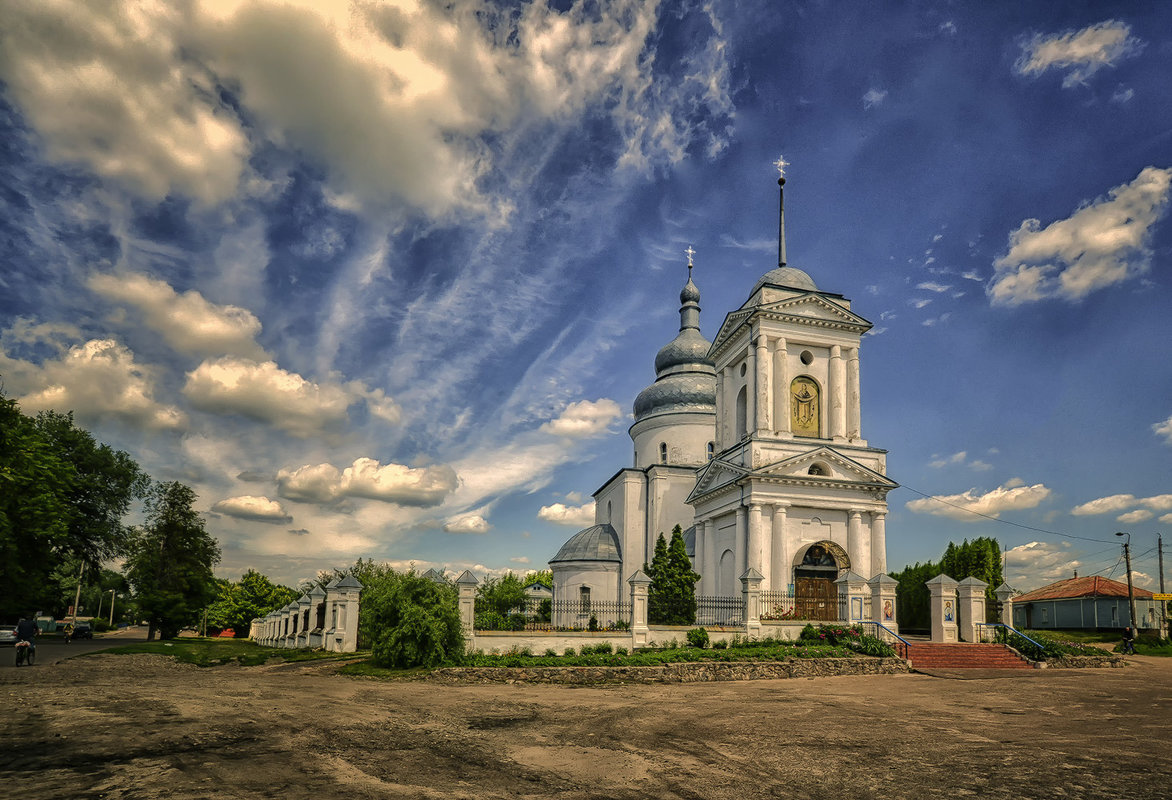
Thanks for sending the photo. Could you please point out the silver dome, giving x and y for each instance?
(688, 348)
(787, 276)
(597, 543)
(683, 391)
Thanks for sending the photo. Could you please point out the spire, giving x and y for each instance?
(781, 164)
(690, 298)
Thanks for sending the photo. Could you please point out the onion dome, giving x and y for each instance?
(597, 543)
(789, 277)
(685, 379)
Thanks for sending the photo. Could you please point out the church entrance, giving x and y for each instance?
(815, 595)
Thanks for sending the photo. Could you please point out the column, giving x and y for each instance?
(854, 541)
(780, 388)
(878, 542)
(943, 606)
(883, 601)
(755, 537)
(708, 585)
(779, 558)
(741, 547)
(751, 594)
(854, 418)
(1004, 594)
(837, 399)
(751, 390)
(721, 411)
(640, 633)
(972, 608)
(727, 415)
(763, 424)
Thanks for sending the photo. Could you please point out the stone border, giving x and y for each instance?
(678, 672)
(1081, 662)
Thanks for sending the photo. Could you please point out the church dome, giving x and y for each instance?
(682, 391)
(787, 276)
(689, 347)
(690, 293)
(597, 543)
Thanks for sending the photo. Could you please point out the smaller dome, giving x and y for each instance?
(690, 293)
(687, 391)
(689, 347)
(787, 276)
(597, 543)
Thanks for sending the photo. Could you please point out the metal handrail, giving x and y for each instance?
(904, 642)
(983, 625)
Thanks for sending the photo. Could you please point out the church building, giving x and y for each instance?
(753, 444)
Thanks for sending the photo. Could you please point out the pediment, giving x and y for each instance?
(713, 475)
(809, 309)
(834, 466)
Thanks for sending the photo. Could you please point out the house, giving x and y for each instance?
(1090, 603)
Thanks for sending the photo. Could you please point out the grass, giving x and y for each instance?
(215, 652)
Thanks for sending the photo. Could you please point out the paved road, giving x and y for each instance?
(53, 649)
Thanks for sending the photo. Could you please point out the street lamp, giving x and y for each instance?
(1130, 590)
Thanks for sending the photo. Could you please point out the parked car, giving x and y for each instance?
(83, 630)
(8, 634)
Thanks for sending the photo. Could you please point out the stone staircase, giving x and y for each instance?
(926, 655)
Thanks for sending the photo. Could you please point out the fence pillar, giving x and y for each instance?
(329, 638)
(972, 607)
(883, 601)
(640, 633)
(466, 587)
(349, 596)
(852, 594)
(317, 621)
(303, 608)
(1005, 594)
(943, 606)
(751, 591)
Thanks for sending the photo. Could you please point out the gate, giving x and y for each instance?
(816, 599)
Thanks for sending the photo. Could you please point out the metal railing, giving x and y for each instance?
(562, 615)
(726, 612)
(883, 633)
(778, 605)
(999, 633)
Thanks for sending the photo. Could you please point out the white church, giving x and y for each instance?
(753, 444)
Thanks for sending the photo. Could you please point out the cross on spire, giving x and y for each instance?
(690, 252)
(781, 164)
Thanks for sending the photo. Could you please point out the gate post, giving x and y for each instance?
(943, 605)
(640, 633)
(883, 601)
(751, 591)
(972, 607)
(466, 587)
(851, 594)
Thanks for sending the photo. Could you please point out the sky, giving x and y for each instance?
(382, 279)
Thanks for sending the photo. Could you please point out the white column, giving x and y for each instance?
(837, 400)
(763, 423)
(854, 416)
(766, 550)
(751, 390)
(854, 541)
(781, 410)
(708, 584)
(721, 412)
(779, 558)
(742, 541)
(698, 545)
(755, 537)
(878, 543)
(727, 418)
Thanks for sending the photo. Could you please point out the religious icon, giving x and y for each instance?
(948, 611)
(888, 611)
(804, 402)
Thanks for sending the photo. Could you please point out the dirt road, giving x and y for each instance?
(143, 727)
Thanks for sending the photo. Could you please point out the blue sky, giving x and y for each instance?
(383, 279)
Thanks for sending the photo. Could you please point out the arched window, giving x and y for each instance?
(584, 599)
(742, 413)
(805, 407)
(663, 452)
(608, 511)
(711, 450)
(817, 469)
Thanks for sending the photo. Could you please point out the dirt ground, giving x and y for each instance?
(144, 727)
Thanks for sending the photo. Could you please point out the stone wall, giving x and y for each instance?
(1080, 662)
(689, 672)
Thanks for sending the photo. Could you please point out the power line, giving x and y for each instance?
(1003, 521)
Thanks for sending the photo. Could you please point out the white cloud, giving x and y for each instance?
(584, 418)
(250, 507)
(1160, 502)
(367, 478)
(574, 516)
(1104, 505)
(1082, 53)
(519, 559)
(1012, 496)
(955, 458)
(932, 286)
(263, 391)
(468, 523)
(874, 97)
(1166, 519)
(1122, 95)
(1036, 564)
(1164, 429)
(1100, 245)
(919, 302)
(1139, 515)
(96, 380)
(187, 322)
(948, 27)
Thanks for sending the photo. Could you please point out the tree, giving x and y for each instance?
(980, 558)
(170, 561)
(544, 576)
(409, 620)
(238, 603)
(671, 597)
(501, 595)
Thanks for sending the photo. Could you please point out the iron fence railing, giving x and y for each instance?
(778, 605)
(720, 611)
(561, 615)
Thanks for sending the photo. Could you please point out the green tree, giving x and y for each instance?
(671, 597)
(238, 603)
(501, 595)
(540, 576)
(408, 620)
(170, 561)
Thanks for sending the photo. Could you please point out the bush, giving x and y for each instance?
(550, 652)
(100, 625)
(720, 644)
(569, 651)
(411, 621)
(698, 637)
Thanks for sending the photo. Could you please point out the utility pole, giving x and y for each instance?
(1130, 590)
(77, 595)
(1163, 603)
(112, 595)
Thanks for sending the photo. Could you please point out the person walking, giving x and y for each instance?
(1128, 641)
(26, 631)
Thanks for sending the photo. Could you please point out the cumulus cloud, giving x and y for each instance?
(250, 507)
(468, 523)
(1104, 505)
(1160, 502)
(574, 516)
(959, 459)
(367, 478)
(520, 559)
(1139, 515)
(874, 97)
(1014, 495)
(1035, 564)
(1166, 519)
(188, 322)
(140, 92)
(96, 380)
(1081, 53)
(584, 418)
(1102, 244)
(1164, 430)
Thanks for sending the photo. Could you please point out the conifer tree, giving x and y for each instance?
(671, 597)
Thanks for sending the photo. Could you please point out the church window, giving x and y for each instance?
(742, 412)
(663, 452)
(711, 450)
(807, 357)
(817, 469)
(584, 599)
(805, 407)
(744, 369)
(608, 511)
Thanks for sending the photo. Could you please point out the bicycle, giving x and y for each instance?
(26, 653)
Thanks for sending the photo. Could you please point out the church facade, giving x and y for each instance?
(753, 444)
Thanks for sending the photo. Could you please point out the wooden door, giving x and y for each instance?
(816, 599)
